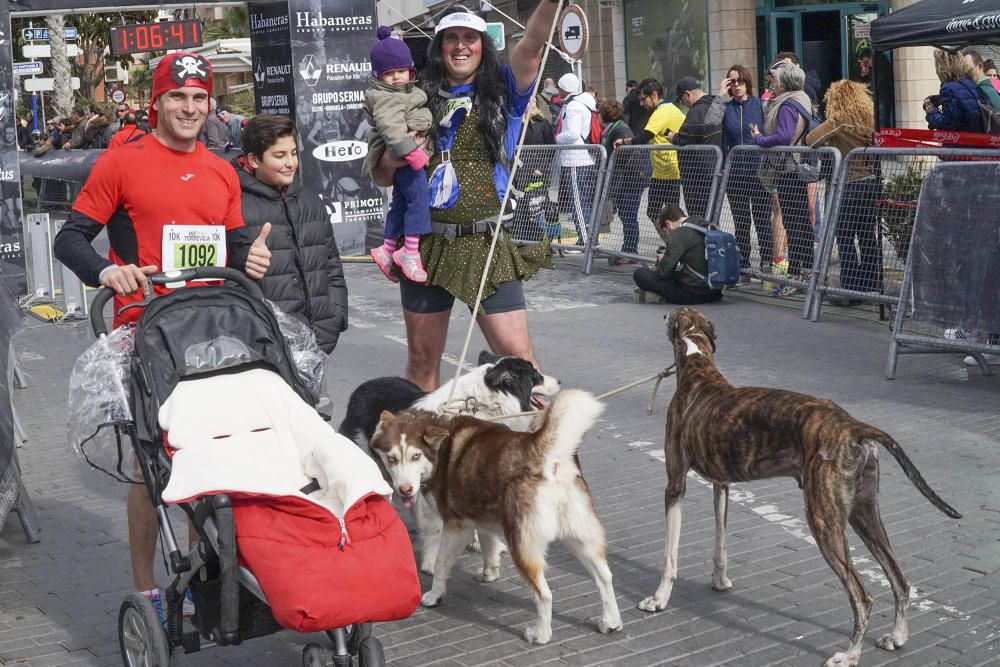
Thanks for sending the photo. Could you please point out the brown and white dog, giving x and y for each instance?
(728, 434)
(525, 487)
(499, 386)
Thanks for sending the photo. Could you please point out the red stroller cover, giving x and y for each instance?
(293, 548)
(335, 556)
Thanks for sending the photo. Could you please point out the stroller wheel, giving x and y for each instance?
(358, 633)
(370, 653)
(140, 634)
(314, 655)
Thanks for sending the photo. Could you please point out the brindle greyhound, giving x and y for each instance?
(728, 434)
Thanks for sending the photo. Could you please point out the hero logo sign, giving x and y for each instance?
(573, 31)
(341, 151)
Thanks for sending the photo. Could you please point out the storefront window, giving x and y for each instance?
(666, 40)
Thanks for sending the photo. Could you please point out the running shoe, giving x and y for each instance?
(957, 334)
(779, 268)
(785, 290)
(411, 265)
(383, 258)
(156, 600)
(743, 281)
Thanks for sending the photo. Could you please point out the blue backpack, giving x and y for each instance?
(722, 255)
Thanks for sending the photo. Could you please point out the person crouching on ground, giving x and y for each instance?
(395, 107)
(672, 279)
(305, 278)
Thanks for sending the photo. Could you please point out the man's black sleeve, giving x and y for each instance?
(643, 137)
(238, 244)
(72, 248)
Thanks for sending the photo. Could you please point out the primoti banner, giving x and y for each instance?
(331, 42)
(12, 261)
(271, 55)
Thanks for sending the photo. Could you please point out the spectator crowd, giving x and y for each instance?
(111, 125)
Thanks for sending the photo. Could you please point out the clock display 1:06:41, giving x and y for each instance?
(160, 36)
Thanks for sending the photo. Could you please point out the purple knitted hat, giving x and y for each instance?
(390, 53)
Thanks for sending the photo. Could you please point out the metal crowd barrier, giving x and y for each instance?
(47, 202)
(555, 189)
(864, 255)
(948, 300)
(632, 195)
(776, 202)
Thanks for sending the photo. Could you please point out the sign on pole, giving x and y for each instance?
(46, 84)
(573, 31)
(28, 68)
(42, 34)
(45, 51)
(495, 31)
(117, 95)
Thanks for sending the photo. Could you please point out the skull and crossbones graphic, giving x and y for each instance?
(190, 67)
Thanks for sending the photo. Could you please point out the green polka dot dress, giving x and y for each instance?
(457, 265)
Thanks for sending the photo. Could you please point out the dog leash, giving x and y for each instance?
(665, 373)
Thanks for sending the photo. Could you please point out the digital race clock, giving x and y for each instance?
(160, 36)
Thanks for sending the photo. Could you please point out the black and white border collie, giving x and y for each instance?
(498, 386)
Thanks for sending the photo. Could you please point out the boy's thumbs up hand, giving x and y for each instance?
(259, 258)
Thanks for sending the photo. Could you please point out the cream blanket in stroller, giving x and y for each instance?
(249, 432)
(325, 559)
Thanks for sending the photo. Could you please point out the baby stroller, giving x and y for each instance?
(294, 525)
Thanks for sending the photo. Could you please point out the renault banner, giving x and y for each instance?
(331, 41)
(271, 58)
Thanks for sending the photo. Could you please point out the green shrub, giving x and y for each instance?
(901, 195)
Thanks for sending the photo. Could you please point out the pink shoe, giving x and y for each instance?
(383, 258)
(411, 265)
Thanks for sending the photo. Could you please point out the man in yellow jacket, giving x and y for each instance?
(665, 121)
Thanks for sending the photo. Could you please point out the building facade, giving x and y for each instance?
(668, 39)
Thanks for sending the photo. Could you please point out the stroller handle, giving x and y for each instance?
(167, 277)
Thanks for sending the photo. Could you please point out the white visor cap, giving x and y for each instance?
(461, 20)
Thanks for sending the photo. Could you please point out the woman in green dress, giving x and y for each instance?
(478, 104)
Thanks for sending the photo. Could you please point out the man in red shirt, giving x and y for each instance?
(128, 132)
(142, 192)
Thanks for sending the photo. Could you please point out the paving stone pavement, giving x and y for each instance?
(59, 599)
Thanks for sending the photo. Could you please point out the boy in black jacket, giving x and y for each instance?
(306, 278)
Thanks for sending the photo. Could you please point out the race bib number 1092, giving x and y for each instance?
(193, 246)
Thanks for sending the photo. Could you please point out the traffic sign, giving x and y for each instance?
(45, 50)
(117, 95)
(573, 31)
(42, 34)
(495, 30)
(46, 84)
(27, 68)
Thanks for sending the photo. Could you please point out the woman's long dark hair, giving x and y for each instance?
(490, 90)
